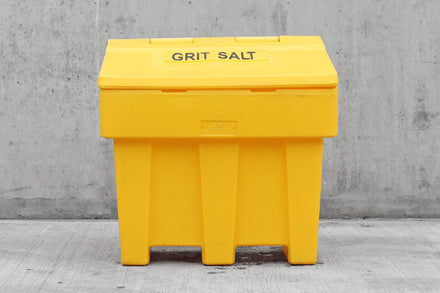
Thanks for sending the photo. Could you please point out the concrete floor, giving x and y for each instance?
(353, 256)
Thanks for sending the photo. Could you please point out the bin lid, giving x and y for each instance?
(217, 63)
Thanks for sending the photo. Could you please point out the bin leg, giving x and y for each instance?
(218, 174)
(133, 164)
(304, 165)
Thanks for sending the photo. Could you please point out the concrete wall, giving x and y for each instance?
(384, 163)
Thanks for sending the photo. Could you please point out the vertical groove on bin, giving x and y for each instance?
(175, 194)
(236, 197)
(261, 196)
(303, 174)
(218, 179)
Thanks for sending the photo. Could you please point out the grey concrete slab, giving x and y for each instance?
(353, 256)
(384, 163)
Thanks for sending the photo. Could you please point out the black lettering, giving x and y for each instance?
(252, 56)
(234, 55)
(205, 55)
(222, 55)
(177, 56)
(244, 58)
(189, 56)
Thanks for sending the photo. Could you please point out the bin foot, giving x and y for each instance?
(214, 257)
(306, 258)
(304, 164)
(133, 164)
(218, 179)
(135, 259)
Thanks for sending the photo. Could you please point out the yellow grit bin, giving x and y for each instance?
(218, 142)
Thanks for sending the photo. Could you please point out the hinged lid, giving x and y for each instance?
(217, 63)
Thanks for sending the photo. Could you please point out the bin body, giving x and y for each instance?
(210, 153)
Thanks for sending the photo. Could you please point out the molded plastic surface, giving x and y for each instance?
(219, 113)
(218, 153)
(202, 63)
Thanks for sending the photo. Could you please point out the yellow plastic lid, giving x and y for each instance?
(217, 63)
